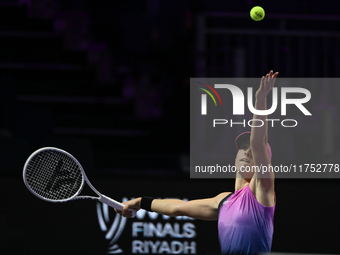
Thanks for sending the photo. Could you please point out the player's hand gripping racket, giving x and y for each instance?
(56, 176)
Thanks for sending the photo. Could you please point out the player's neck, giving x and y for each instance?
(240, 182)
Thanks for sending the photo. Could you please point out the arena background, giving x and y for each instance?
(108, 81)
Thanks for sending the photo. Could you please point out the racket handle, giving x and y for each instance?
(115, 204)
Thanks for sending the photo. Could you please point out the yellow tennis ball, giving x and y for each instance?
(257, 13)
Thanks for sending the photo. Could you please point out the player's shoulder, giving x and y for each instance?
(223, 194)
(264, 194)
(220, 197)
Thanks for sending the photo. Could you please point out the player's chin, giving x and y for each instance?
(244, 166)
(246, 174)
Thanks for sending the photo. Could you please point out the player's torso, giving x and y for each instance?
(243, 224)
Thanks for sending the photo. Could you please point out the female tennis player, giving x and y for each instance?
(245, 216)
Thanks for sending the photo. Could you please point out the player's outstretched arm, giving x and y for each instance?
(203, 209)
(259, 135)
(264, 182)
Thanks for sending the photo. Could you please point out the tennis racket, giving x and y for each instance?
(56, 176)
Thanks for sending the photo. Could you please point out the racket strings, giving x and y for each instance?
(54, 175)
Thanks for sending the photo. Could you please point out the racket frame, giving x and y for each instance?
(102, 198)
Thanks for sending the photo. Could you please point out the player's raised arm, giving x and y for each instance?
(203, 209)
(264, 182)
